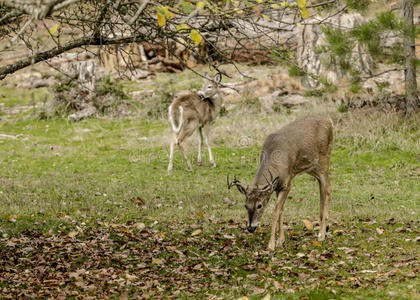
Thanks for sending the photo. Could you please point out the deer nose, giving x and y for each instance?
(251, 228)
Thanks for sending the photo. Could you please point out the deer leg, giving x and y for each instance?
(206, 139)
(278, 218)
(184, 156)
(325, 197)
(181, 139)
(200, 145)
(171, 155)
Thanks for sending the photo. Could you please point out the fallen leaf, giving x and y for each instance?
(200, 214)
(139, 226)
(157, 261)
(258, 290)
(316, 243)
(11, 218)
(308, 224)
(379, 230)
(196, 232)
(72, 234)
(266, 297)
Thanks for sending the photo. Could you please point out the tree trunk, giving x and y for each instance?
(412, 98)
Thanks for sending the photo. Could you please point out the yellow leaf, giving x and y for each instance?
(284, 4)
(157, 261)
(196, 232)
(200, 5)
(181, 27)
(275, 6)
(308, 224)
(196, 37)
(266, 17)
(316, 243)
(200, 214)
(72, 234)
(161, 19)
(304, 13)
(53, 30)
(11, 218)
(301, 3)
(259, 1)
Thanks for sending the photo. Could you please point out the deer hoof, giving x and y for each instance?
(280, 242)
(321, 237)
(271, 246)
(200, 164)
(213, 164)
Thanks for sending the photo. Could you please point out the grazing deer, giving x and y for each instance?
(193, 111)
(303, 146)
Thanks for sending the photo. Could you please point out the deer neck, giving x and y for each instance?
(216, 102)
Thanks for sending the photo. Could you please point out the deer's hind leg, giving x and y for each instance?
(171, 154)
(325, 190)
(186, 131)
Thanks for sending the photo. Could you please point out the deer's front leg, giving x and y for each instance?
(200, 144)
(206, 139)
(281, 199)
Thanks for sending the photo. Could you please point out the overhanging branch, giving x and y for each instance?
(85, 41)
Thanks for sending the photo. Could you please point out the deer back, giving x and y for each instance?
(295, 148)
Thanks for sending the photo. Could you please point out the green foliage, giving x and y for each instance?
(296, 71)
(358, 4)
(342, 108)
(108, 86)
(164, 93)
(340, 42)
(388, 21)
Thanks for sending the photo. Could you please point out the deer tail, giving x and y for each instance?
(173, 119)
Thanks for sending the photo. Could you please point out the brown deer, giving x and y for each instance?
(303, 146)
(193, 111)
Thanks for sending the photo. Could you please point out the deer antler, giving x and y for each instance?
(270, 184)
(241, 187)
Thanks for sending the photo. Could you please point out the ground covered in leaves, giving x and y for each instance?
(87, 210)
(361, 258)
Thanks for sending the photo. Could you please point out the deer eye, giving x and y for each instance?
(259, 206)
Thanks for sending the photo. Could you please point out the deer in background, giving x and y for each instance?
(193, 111)
(303, 146)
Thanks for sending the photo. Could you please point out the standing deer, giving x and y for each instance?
(194, 111)
(303, 146)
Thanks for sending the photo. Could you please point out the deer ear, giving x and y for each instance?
(217, 77)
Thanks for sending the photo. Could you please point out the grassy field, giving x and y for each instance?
(87, 209)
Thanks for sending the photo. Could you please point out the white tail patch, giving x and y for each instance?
(175, 128)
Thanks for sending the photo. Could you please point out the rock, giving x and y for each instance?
(293, 100)
(141, 95)
(311, 38)
(85, 113)
(140, 74)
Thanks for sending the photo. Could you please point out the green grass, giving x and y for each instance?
(91, 171)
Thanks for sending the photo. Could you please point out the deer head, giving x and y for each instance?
(210, 87)
(256, 199)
